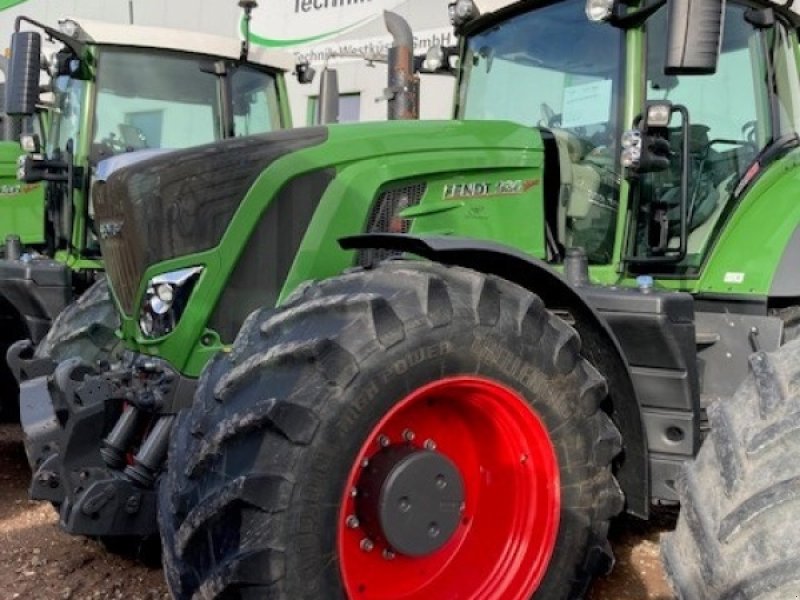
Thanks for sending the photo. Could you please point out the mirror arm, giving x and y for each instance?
(70, 42)
(636, 18)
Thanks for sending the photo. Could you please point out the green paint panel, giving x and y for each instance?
(745, 258)
(21, 204)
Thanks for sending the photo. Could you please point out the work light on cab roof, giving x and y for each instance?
(599, 10)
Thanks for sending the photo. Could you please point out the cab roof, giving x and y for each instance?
(791, 8)
(98, 32)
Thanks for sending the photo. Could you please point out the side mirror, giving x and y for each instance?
(694, 34)
(22, 87)
(304, 73)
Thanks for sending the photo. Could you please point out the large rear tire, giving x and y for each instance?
(740, 498)
(412, 431)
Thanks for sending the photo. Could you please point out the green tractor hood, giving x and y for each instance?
(257, 216)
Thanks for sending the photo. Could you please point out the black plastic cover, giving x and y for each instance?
(270, 252)
(694, 31)
(182, 203)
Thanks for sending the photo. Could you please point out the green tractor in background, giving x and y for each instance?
(112, 91)
(611, 229)
(21, 204)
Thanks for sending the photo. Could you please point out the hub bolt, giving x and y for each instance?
(383, 441)
(365, 463)
(367, 545)
(441, 482)
(387, 554)
(430, 445)
(352, 522)
(408, 435)
(434, 530)
(404, 504)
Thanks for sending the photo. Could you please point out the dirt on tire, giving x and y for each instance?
(740, 495)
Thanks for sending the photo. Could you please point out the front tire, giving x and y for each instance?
(379, 390)
(86, 328)
(740, 497)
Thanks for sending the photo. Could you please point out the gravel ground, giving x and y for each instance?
(40, 562)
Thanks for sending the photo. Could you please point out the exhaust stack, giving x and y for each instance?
(403, 90)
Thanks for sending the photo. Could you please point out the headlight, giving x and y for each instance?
(462, 11)
(30, 143)
(165, 300)
(631, 148)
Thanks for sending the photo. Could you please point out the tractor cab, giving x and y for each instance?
(649, 196)
(118, 89)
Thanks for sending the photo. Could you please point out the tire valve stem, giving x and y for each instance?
(365, 463)
(387, 554)
(367, 545)
(430, 445)
(354, 493)
(352, 522)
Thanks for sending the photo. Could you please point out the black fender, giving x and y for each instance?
(36, 290)
(599, 344)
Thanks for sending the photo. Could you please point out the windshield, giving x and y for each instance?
(553, 68)
(174, 101)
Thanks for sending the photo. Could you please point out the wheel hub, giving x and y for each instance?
(411, 498)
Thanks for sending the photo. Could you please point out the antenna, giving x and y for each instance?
(247, 6)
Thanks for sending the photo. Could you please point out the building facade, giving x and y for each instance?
(340, 34)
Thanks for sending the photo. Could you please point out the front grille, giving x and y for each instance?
(181, 203)
(121, 247)
(383, 218)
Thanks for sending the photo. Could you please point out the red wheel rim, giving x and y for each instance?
(507, 533)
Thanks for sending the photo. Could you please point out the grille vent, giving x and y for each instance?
(382, 218)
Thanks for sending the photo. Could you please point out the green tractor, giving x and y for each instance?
(112, 92)
(611, 244)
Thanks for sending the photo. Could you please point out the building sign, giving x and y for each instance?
(322, 29)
